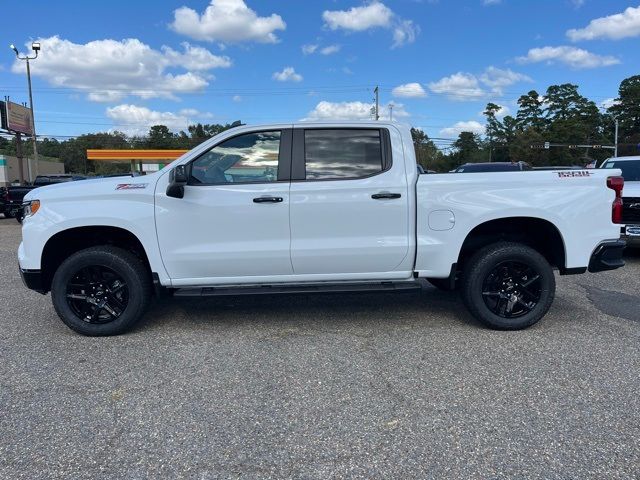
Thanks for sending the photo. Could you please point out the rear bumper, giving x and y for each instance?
(33, 280)
(607, 256)
(632, 240)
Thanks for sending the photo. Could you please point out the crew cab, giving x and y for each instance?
(315, 207)
(630, 168)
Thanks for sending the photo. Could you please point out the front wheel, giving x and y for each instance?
(101, 291)
(508, 286)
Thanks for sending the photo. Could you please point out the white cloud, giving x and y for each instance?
(330, 49)
(236, 98)
(463, 86)
(135, 120)
(227, 21)
(312, 48)
(577, 3)
(109, 70)
(195, 58)
(609, 102)
(405, 31)
(459, 86)
(409, 90)
(571, 56)
(457, 128)
(358, 19)
(372, 15)
(498, 79)
(309, 48)
(491, 2)
(351, 111)
(613, 27)
(288, 74)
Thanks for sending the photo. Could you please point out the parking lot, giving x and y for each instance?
(323, 386)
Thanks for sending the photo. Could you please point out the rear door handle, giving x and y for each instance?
(267, 200)
(385, 196)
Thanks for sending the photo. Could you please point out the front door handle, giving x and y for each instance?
(267, 200)
(385, 196)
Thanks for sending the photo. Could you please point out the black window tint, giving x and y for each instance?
(342, 154)
(248, 158)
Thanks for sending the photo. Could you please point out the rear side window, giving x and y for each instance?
(342, 154)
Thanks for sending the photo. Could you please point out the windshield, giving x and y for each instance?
(630, 168)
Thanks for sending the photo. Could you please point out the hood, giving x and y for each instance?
(91, 187)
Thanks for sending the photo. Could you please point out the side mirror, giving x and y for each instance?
(177, 180)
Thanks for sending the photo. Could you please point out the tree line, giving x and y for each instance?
(561, 115)
(73, 152)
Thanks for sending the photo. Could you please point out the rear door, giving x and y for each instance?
(349, 203)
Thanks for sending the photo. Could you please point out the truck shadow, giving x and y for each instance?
(339, 309)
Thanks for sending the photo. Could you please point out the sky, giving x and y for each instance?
(127, 65)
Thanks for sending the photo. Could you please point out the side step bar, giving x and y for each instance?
(277, 289)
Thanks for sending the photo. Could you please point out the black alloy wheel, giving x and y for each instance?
(101, 290)
(508, 285)
(512, 289)
(97, 294)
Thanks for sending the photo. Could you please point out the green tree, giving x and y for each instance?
(468, 148)
(427, 153)
(530, 112)
(627, 110)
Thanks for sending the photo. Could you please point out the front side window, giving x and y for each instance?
(248, 158)
(342, 154)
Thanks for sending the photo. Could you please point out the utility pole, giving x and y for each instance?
(19, 156)
(376, 91)
(391, 112)
(35, 46)
(615, 154)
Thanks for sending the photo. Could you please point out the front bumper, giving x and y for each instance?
(607, 256)
(33, 280)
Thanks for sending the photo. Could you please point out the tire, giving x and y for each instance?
(443, 284)
(7, 214)
(508, 286)
(112, 281)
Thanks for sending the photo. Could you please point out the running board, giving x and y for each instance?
(316, 288)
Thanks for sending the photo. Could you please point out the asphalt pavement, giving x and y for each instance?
(375, 385)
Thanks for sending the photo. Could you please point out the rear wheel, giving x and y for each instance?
(101, 291)
(508, 286)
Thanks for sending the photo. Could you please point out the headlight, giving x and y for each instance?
(30, 208)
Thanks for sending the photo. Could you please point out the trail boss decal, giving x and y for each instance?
(580, 173)
(131, 186)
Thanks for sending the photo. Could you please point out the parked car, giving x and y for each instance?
(630, 167)
(15, 194)
(3, 201)
(483, 167)
(570, 167)
(315, 207)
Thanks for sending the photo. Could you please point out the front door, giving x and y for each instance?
(234, 218)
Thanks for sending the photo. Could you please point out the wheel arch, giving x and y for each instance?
(66, 242)
(538, 233)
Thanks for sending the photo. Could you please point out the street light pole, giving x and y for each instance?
(35, 46)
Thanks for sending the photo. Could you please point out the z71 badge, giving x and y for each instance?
(131, 186)
(573, 173)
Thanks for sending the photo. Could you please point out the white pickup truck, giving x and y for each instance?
(315, 207)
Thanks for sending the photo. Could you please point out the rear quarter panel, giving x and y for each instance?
(578, 205)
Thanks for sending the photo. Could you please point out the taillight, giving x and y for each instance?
(616, 184)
